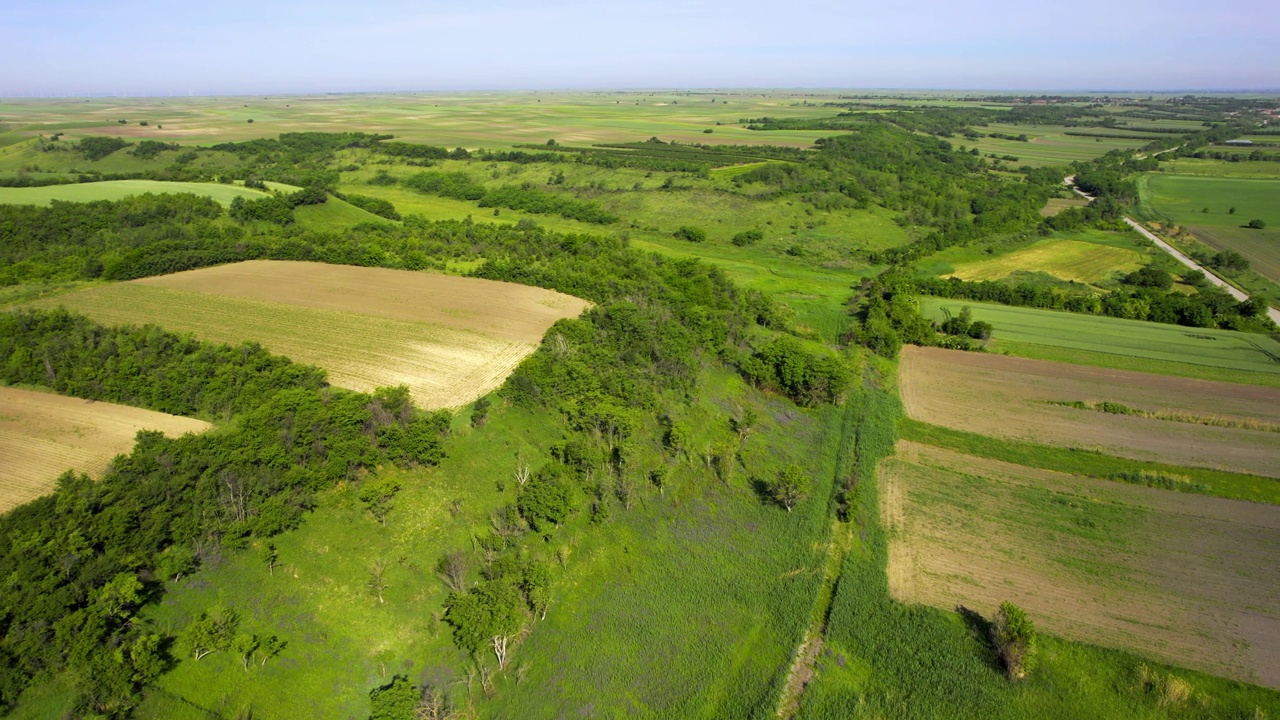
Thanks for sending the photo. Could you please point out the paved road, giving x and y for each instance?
(1214, 279)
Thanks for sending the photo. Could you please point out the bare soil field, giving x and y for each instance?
(1185, 579)
(43, 435)
(449, 339)
(1014, 398)
(505, 311)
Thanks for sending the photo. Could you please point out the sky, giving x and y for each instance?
(228, 47)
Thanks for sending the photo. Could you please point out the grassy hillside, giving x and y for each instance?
(117, 189)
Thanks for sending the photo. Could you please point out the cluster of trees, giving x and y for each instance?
(460, 186)
(83, 559)
(277, 209)
(808, 377)
(886, 315)
(1208, 308)
(377, 206)
(96, 147)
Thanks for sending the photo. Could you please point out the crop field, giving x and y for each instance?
(1184, 579)
(43, 435)
(1260, 247)
(580, 118)
(1184, 198)
(1057, 205)
(1048, 144)
(1184, 422)
(1266, 169)
(118, 189)
(450, 339)
(1071, 260)
(1131, 339)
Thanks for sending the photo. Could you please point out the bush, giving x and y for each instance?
(1257, 224)
(692, 234)
(747, 237)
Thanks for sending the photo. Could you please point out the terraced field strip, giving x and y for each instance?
(1156, 341)
(450, 339)
(1082, 262)
(43, 435)
(1014, 398)
(119, 189)
(1185, 579)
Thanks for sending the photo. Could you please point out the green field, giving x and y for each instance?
(1069, 260)
(1221, 349)
(1046, 144)
(117, 189)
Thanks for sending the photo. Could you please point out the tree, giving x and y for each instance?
(396, 700)
(1014, 638)
(980, 330)
(119, 595)
(452, 568)
(212, 631)
(377, 497)
(269, 556)
(747, 237)
(790, 486)
(1257, 224)
(269, 647)
(489, 615)
(377, 583)
(246, 646)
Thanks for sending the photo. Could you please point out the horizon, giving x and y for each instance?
(142, 48)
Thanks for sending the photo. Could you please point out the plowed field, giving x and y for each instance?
(1186, 579)
(1015, 398)
(43, 435)
(450, 339)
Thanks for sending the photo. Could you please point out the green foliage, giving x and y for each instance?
(1256, 224)
(212, 631)
(460, 186)
(96, 147)
(1014, 638)
(790, 486)
(747, 237)
(377, 206)
(396, 700)
(692, 234)
(548, 498)
(1150, 276)
(808, 378)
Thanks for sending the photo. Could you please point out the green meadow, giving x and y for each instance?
(1221, 350)
(117, 189)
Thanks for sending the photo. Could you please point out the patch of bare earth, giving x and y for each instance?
(1184, 578)
(1013, 398)
(43, 435)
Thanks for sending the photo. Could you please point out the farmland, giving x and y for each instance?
(1069, 260)
(43, 435)
(1126, 344)
(1024, 399)
(1049, 145)
(1171, 576)
(117, 189)
(449, 339)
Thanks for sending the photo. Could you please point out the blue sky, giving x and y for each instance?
(149, 47)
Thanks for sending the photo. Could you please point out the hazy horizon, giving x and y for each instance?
(73, 48)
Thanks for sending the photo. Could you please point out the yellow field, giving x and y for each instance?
(1187, 579)
(450, 339)
(43, 435)
(1066, 259)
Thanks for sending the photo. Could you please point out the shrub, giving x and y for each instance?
(1257, 224)
(692, 234)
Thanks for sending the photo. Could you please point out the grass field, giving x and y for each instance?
(117, 189)
(1047, 144)
(1069, 260)
(1020, 399)
(453, 119)
(1183, 199)
(450, 339)
(1127, 339)
(43, 435)
(1187, 580)
(1057, 205)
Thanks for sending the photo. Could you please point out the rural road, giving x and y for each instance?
(1214, 279)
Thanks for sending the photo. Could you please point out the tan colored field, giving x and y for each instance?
(450, 339)
(1187, 579)
(1057, 205)
(43, 435)
(1012, 398)
(1082, 262)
